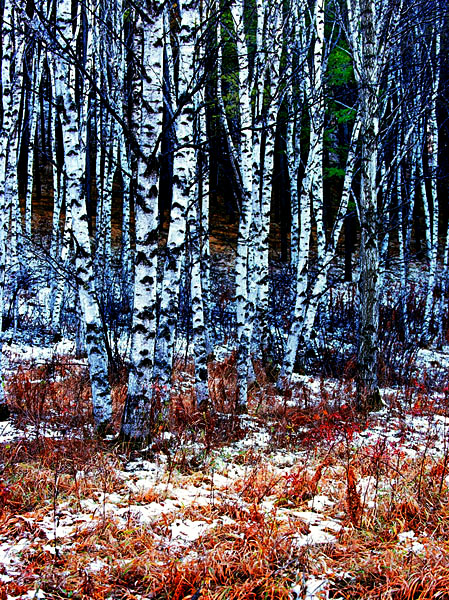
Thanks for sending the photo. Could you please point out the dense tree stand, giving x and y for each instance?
(133, 129)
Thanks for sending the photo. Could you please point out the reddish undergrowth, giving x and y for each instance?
(254, 544)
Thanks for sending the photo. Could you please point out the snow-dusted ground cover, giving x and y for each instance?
(300, 499)
(292, 501)
(15, 353)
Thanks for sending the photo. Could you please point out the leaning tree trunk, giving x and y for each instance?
(73, 124)
(11, 77)
(331, 250)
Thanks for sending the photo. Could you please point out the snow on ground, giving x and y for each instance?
(18, 353)
(411, 434)
(9, 433)
(163, 495)
(311, 589)
(178, 507)
(433, 361)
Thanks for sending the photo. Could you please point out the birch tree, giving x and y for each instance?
(198, 225)
(268, 63)
(197, 237)
(183, 191)
(311, 197)
(33, 110)
(257, 90)
(13, 46)
(73, 124)
(245, 153)
(12, 78)
(367, 19)
(147, 123)
(431, 203)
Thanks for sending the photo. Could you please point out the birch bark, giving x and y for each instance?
(183, 191)
(311, 199)
(431, 201)
(139, 414)
(246, 152)
(12, 77)
(196, 229)
(73, 124)
(33, 110)
(365, 22)
(270, 58)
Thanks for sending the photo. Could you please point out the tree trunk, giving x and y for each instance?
(363, 22)
(73, 133)
(139, 415)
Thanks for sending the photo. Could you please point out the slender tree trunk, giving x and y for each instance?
(271, 99)
(33, 120)
(246, 154)
(196, 231)
(73, 132)
(183, 192)
(431, 203)
(311, 200)
(12, 78)
(139, 414)
(365, 21)
(329, 254)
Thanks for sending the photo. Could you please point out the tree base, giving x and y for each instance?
(4, 412)
(241, 409)
(104, 429)
(369, 401)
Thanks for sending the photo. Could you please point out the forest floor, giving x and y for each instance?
(302, 498)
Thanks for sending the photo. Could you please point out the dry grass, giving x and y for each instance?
(252, 547)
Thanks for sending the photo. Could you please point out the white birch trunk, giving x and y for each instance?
(60, 243)
(311, 201)
(6, 65)
(103, 232)
(425, 202)
(271, 75)
(403, 251)
(73, 133)
(432, 201)
(33, 119)
(294, 100)
(330, 253)
(12, 76)
(204, 225)
(60, 280)
(148, 43)
(246, 153)
(183, 191)
(197, 228)
(125, 167)
(56, 172)
(6, 142)
(384, 226)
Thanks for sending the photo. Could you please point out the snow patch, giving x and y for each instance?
(312, 589)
